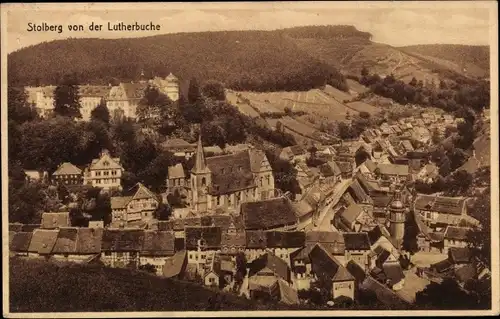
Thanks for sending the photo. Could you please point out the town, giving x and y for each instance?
(359, 222)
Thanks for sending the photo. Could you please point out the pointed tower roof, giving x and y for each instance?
(200, 164)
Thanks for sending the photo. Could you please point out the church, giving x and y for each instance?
(226, 181)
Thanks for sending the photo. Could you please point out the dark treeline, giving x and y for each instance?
(243, 60)
(327, 32)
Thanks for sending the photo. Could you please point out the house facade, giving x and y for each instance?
(104, 172)
(138, 207)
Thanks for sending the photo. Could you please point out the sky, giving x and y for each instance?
(390, 23)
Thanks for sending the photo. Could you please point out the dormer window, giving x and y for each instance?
(105, 163)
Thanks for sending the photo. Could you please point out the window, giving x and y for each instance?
(261, 181)
(153, 205)
(98, 181)
(97, 173)
(133, 254)
(268, 177)
(203, 181)
(218, 200)
(106, 173)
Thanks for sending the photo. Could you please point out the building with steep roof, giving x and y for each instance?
(438, 212)
(124, 98)
(331, 272)
(68, 174)
(227, 181)
(138, 207)
(121, 247)
(104, 172)
(169, 86)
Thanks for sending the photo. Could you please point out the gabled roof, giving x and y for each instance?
(176, 171)
(330, 168)
(105, 162)
(122, 240)
(43, 240)
(67, 169)
(350, 213)
(143, 192)
(55, 220)
(209, 237)
(234, 239)
(466, 273)
(383, 293)
(268, 214)
(174, 266)
(441, 204)
(230, 173)
(288, 295)
(271, 262)
(356, 271)
(377, 232)
(159, 243)
(20, 241)
(294, 150)
(285, 239)
(393, 169)
(66, 241)
(94, 90)
(459, 255)
(356, 241)
(325, 265)
(456, 233)
(120, 202)
(89, 240)
(256, 239)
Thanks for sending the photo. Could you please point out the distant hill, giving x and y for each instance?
(243, 60)
(473, 60)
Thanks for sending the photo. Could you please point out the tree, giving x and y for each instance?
(101, 113)
(241, 268)
(26, 202)
(413, 82)
(18, 108)
(67, 98)
(480, 237)
(445, 296)
(175, 199)
(194, 94)
(214, 90)
(155, 109)
(163, 212)
(148, 268)
(364, 115)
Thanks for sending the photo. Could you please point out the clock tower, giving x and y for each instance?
(201, 179)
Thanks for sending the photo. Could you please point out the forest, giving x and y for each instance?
(242, 60)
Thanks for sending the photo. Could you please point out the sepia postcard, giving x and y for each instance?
(250, 159)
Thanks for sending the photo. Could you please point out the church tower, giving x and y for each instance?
(397, 217)
(201, 179)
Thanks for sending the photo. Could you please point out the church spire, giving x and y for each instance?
(200, 165)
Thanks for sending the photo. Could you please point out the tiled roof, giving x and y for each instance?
(345, 167)
(285, 239)
(440, 204)
(393, 272)
(359, 193)
(66, 241)
(134, 90)
(43, 241)
(466, 273)
(67, 169)
(325, 265)
(176, 171)
(94, 91)
(55, 220)
(106, 162)
(275, 264)
(356, 271)
(230, 173)
(177, 143)
(456, 233)
(120, 202)
(210, 237)
(268, 214)
(288, 295)
(234, 239)
(122, 240)
(393, 169)
(143, 192)
(330, 168)
(350, 213)
(324, 237)
(20, 241)
(30, 227)
(256, 239)
(383, 293)
(89, 240)
(459, 255)
(356, 241)
(174, 266)
(159, 243)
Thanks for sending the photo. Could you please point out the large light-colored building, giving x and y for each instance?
(169, 86)
(104, 172)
